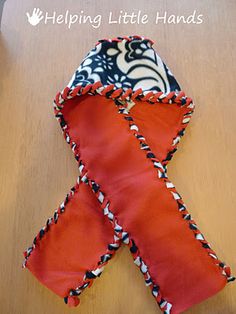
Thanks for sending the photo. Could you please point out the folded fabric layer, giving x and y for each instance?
(73, 247)
(123, 114)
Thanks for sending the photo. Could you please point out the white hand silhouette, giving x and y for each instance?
(35, 18)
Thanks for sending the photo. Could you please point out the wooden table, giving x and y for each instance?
(38, 168)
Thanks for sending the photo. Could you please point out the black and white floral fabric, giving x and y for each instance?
(126, 64)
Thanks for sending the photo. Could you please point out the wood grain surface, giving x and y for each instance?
(38, 168)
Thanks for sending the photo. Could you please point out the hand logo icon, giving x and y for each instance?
(35, 18)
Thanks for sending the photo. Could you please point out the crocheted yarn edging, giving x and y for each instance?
(126, 38)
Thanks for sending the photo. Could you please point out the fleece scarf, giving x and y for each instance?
(123, 114)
